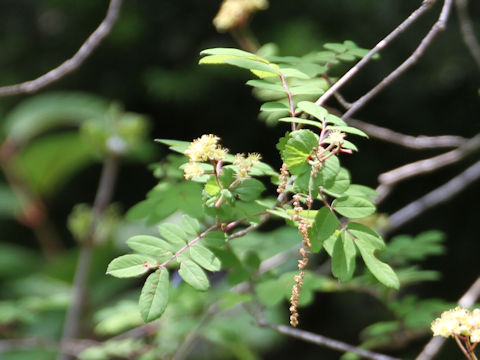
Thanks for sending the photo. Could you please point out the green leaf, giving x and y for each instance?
(345, 144)
(130, 265)
(173, 233)
(249, 189)
(310, 89)
(301, 121)
(361, 190)
(175, 145)
(154, 297)
(9, 206)
(343, 257)
(328, 173)
(150, 245)
(382, 272)
(310, 108)
(40, 113)
(348, 130)
(252, 65)
(324, 225)
(293, 73)
(190, 225)
(298, 147)
(228, 51)
(194, 275)
(338, 48)
(354, 207)
(266, 85)
(360, 231)
(51, 160)
(340, 183)
(215, 239)
(205, 258)
(271, 292)
(332, 119)
(273, 106)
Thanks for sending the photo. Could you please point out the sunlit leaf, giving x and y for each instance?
(194, 275)
(130, 265)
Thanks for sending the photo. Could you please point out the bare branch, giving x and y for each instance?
(435, 197)
(411, 60)
(74, 62)
(325, 341)
(412, 142)
(102, 199)
(435, 344)
(466, 27)
(427, 165)
(414, 16)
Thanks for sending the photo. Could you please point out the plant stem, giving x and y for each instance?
(80, 284)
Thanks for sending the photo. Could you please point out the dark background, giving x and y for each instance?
(149, 63)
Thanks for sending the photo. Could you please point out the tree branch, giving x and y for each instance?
(411, 60)
(325, 341)
(412, 142)
(74, 62)
(427, 165)
(466, 27)
(414, 16)
(435, 197)
(435, 344)
(82, 271)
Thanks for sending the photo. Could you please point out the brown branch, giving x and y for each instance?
(435, 344)
(435, 197)
(439, 25)
(325, 341)
(412, 142)
(79, 291)
(74, 62)
(468, 33)
(414, 16)
(428, 165)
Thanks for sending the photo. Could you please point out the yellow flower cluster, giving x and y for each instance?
(458, 321)
(245, 164)
(205, 148)
(235, 13)
(336, 137)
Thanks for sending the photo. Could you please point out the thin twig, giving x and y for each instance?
(435, 197)
(102, 199)
(468, 33)
(412, 142)
(435, 344)
(74, 62)
(428, 165)
(414, 16)
(439, 25)
(326, 342)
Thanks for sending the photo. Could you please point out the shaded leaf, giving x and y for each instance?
(154, 297)
(354, 207)
(324, 225)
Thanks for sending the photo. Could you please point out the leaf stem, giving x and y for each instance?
(188, 245)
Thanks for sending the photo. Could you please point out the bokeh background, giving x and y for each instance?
(149, 64)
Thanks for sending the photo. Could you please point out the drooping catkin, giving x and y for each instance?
(303, 226)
